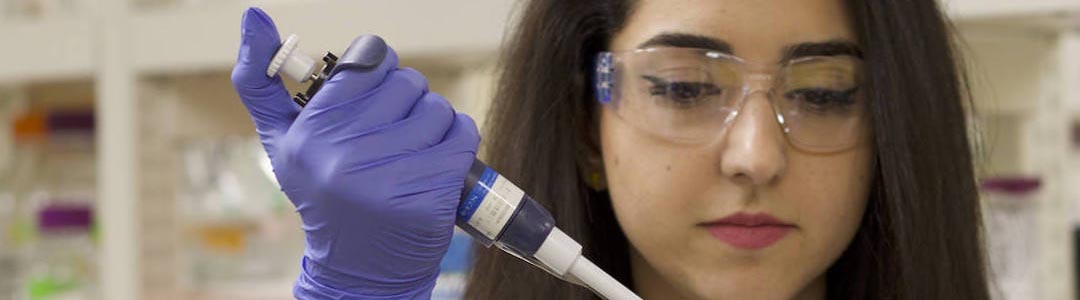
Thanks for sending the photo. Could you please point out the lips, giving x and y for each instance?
(749, 231)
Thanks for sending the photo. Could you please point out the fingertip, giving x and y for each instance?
(257, 19)
(259, 41)
(390, 60)
(416, 78)
(466, 130)
(259, 37)
(262, 15)
(467, 122)
(439, 104)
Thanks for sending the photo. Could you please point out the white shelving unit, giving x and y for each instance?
(125, 49)
(1030, 11)
(183, 39)
(1025, 69)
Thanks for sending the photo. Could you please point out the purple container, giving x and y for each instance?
(65, 217)
(70, 121)
(1012, 185)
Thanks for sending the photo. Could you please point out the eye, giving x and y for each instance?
(682, 93)
(822, 100)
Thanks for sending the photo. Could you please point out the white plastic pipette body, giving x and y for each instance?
(561, 255)
(599, 281)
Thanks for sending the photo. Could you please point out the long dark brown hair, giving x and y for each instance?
(920, 237)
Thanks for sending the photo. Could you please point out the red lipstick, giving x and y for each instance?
(749, 231)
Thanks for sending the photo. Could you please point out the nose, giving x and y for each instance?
(753, 151)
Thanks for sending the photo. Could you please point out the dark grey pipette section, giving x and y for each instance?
(527, 228)
(365, 53)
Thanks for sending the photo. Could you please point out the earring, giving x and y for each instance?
(597, 181)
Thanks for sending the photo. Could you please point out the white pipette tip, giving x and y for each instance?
(599, 281)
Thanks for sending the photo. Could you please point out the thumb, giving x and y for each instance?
(265, 97)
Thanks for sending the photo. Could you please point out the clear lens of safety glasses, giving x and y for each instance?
(689, 96)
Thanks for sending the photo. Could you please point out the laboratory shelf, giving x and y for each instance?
(183, 39)
(1031, 11)
(205, 37)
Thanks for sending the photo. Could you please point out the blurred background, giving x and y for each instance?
(129, 169)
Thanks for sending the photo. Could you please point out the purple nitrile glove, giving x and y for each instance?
(374, 164)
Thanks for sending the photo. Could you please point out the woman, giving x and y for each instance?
(793, 149)
(894, 217)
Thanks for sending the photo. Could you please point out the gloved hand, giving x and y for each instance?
(374, 164)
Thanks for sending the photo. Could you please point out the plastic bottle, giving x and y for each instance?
(1012, 227)
(63, 264)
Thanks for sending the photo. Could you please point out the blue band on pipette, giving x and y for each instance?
(476, 196)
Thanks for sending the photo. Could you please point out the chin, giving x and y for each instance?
(739, 286)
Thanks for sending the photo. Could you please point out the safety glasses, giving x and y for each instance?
(690, 96)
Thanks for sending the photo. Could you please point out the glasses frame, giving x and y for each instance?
(755, 78)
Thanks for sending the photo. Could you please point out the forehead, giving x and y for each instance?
(757, 30)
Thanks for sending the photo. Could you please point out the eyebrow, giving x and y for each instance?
(827, 48)
(687, 40)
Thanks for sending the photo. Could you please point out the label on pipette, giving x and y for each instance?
(490, 204)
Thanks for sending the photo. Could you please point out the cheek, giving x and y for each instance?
(648, 185)
(831, 194)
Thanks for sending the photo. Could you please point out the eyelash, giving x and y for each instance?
(823, 100)
(682, 93)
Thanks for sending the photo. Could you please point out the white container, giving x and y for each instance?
(63, 263)
(1012, 230)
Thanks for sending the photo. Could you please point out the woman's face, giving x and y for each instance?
(671, 199)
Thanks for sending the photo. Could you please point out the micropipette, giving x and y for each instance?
(493, 210)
